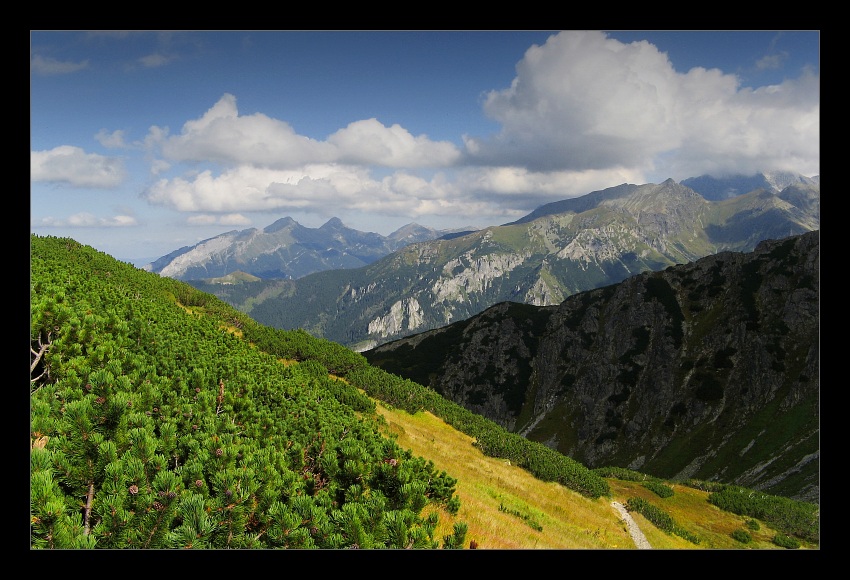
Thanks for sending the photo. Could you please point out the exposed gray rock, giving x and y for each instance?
(706, 370)
(559, 250)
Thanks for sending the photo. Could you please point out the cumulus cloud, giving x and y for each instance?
(371, 143)
(114, 140)
(525, 190)
(159, 166)
(224, 136)
(73, 166)
(583, 113)
(770, 128)
(247, 188)
(583, 101)
(320, 189)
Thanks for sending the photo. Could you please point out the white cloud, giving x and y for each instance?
(233, 219)
(155, 60)
(114, 140)
(770, 128)
(87, 220)
(371, 143)
(50, 66)
(325, 190)
(771, 61)
(585, 112)
(159, 166)
(224, 136)
(247, 188)
(73, 166)
(581, 102)
(536, 188)
(584, 102)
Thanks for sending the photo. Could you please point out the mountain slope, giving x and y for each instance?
(559, 250)
(708, 369)
(286, 249)
(162, 418)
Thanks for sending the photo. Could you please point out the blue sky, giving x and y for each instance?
(143, 142)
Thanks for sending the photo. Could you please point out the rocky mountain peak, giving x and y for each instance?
(333, 224)
(282, 223)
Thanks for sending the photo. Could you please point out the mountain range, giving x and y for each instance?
(707, 370)
(716, 189)
(558, 250)
(286, 249)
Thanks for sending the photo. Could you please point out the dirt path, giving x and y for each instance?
(641, 543)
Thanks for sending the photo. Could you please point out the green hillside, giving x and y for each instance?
(160, 417)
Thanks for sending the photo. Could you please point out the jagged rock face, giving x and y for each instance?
(403, 315)
(708, 369)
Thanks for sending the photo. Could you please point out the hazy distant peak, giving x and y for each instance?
(333, 223)
(729, 186)
(409, 229)
(280, 224)
(779, 180)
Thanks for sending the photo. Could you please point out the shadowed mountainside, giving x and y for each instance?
(708, 369)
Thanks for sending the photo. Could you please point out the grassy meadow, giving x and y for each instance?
(506, 508)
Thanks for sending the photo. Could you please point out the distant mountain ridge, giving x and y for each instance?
(719, 188)
(286, 249)
(559, 250)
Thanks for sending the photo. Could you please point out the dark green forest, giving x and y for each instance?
(161, 417)
(155, 425)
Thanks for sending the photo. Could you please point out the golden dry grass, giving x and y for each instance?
(568, 520)
(691, 510)
(506, 508)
